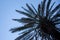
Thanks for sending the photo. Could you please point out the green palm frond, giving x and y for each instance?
(51, 6)
(25, 20)
(39, 9)
(18, 38)
(32, 37)
(57, 23)
(37, 24)
(54, 10)
(56, 20)
(28, 37)
(48, 4)
(26, 10)
(34, 8)
(24, 13)
(25, 33)
(47, 8)
(29, 25)
(32, 12)
(43, 7)
(57, 15)
(39, 15)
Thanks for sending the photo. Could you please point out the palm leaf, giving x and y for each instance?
(25, 34)
(56, 20)
(29, 12)
(48, 11)
(31, 38)
(39, 9)
(57, 23)
(51, 6)
(39, 12)
(29, 25)
(18, 38)
(48, 4)
(35, 11)
(28, 36)
(54, 10)
(43, 7)
(24, 13)
(34, 8)
(30, 9)
(56, 15)
(24, 20)
(26, 10)
(47, 8)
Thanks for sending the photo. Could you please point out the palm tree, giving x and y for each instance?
(40, 23)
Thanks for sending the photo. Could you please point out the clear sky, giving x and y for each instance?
(7, 13)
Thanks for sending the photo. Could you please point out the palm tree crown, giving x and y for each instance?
(39, 23)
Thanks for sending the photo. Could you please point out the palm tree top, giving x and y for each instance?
(39, 23)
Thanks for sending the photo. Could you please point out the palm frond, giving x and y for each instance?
(34, 8)
(57, 23)
(24, 13)
(35, 12)
(39, 12)
(47, 8)
(29, 25)
(26, 10)
(56, 20)
(43, 6)
(31, 38)
(28, 37)
(39, 9)
(56, 15)
(18, 38)
(38, 15)
(54, 10)
(26, 33)
(48, 4)
(32, 12)
(47, 15)
(51, 6)
(24, 20)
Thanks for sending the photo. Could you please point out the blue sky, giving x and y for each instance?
(7, 13)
